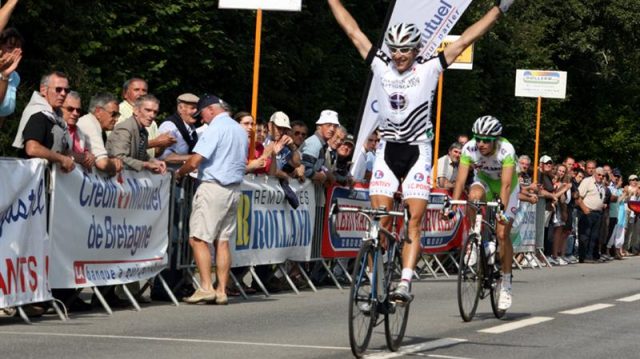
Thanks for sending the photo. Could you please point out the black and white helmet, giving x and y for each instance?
(403, 35)
(487, 126)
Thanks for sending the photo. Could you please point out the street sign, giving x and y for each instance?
(540, 83)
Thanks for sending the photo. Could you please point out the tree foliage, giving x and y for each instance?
(308, 64)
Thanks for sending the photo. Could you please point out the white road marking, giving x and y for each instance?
(587, 309)
(632, 298)
(446, 356)
(179, 340)
(515, 325)
(445, 342)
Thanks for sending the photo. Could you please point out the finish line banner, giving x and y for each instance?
(108, 230)
(24, 244)
(269, 230)
(435, 20)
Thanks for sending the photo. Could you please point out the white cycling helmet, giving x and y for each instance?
(403, 35)
(487, 126)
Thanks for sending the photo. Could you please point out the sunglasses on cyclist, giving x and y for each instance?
(484, 139)
(402, 50)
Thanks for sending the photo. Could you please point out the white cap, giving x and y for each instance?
(545, 159)
(328, 116)
(280, 119)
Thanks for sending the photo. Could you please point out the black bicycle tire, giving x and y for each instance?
(468, 313)
(394, 337)
(358, 347)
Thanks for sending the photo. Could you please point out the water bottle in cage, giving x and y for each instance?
(489, 250)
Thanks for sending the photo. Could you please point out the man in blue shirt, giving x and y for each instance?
(221, 158)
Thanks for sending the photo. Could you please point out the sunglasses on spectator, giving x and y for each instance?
(633, 180)
(484, 139)
(300, 133)
(402, 50)
(59, 89)
(113, 114)
(72, 109)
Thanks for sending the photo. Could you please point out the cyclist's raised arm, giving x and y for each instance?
(476, 31)
(350, 27)
(461, 179)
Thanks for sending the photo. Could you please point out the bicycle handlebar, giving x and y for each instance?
(368, 211)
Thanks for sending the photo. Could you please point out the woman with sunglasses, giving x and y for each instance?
(493, 159)
(406, 81)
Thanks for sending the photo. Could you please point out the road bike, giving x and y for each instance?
(479, 266)
(375, 275)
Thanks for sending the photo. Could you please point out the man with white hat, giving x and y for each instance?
(181, 125)
(314, 147)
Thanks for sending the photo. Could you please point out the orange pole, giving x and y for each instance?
(434, 180)
(256, 77)
(535, 159)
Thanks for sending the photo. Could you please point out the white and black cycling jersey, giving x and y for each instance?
(405, 100)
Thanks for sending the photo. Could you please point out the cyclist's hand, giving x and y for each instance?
(502, 219)
(504, 5)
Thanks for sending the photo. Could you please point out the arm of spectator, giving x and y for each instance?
(155, 166)
(161, 142)
(13, 59)
(84, 159)
(191, 165)
(256, 164)
(175, 158)
(110, 166)
(33, 148)
(6, 11)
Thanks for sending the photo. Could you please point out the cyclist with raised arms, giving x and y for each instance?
(493, 159)
(405, 87)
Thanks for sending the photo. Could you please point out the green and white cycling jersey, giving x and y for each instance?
(488, 170)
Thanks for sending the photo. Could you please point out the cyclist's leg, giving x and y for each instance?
(383, 185)
(503, 232)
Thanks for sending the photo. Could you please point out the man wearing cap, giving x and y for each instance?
(591, 204)
(448, 167)
(314, 147)
(221, 158)
(282, 146)
(343, 162)
(181, 126)
(546, 191)
(129, 139)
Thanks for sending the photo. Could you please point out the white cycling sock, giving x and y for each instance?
(506, 280)
(407, 274)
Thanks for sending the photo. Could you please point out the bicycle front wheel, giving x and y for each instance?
(396, 314)
(495, 293)
(362, 307)
(470, 277)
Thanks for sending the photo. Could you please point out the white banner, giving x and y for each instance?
(24, 244)
(538, 83)
(269, 229)
(436, 19)
(108, 230)
(285, 5)
(523, 232)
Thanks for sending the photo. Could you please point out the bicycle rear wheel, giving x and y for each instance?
(495, 293)
(362, 308)
(396, 314)
(470, 277)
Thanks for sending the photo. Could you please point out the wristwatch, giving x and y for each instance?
(3, 77)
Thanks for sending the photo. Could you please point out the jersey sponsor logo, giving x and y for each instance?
(398, 101)
(413, 81)
(418, 177)
(379, 174)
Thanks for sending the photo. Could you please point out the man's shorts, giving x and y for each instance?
(214, 213)
(410, 163)
(492, 192)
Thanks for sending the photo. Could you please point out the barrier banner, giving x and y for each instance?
(108, 230)
(439, 235)
(523, 231)
(269, 230)
(344, 240)
(24, 244)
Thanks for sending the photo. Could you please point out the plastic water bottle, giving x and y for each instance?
(489, 250)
